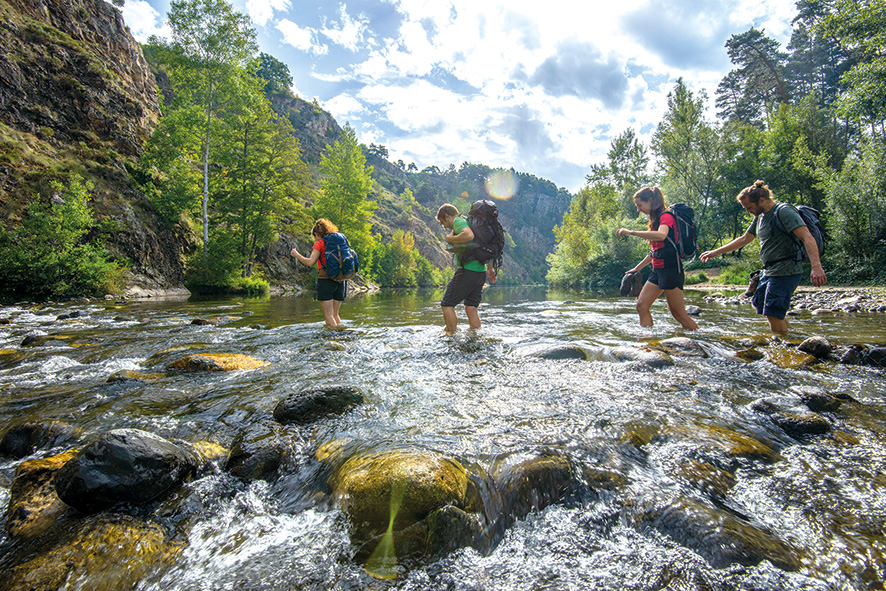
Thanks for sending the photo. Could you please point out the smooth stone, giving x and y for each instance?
(312, 404)
(216, 362)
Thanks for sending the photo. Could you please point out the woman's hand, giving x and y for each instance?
(624, 232)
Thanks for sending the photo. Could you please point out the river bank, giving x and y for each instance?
(848, 299)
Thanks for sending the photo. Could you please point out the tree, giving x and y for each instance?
(344, 196)
(688, 149)
(261, 175)
(627, 168)
(758, 81)
(48, 254)
(275, 73)
(210, 50)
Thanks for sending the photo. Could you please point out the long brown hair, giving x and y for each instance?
(322, 227)
(759, 190)
(657, 204)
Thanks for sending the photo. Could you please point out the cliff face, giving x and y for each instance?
(76, 96)
(71, 71)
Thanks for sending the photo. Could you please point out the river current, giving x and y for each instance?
(678, 487)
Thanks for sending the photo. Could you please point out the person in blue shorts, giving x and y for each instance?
(467, 283)
(781, 270)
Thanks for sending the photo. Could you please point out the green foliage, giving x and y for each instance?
(695, 278)
(398, 264)
(254, 286)
(46, 255)
(344, 196)
(588, 251)
(217, 268)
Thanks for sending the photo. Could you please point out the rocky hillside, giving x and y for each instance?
(76, 96)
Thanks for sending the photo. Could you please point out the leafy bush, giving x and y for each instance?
(46, 256)
(254, 286)
(736, 274)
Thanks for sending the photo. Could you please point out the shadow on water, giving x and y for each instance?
(611, 463)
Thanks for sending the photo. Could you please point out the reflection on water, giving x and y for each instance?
(684, 477)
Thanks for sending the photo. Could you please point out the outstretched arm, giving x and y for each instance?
(315, 254)
(739, 242)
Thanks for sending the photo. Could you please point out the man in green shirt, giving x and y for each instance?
(467, 283)
(781, 270)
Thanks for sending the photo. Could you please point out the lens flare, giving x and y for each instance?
(382, 564)
(502, 184)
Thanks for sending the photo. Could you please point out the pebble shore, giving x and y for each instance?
(816, 299)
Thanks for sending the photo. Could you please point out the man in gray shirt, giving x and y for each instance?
(781, 270)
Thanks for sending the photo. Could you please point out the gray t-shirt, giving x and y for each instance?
(778, 249)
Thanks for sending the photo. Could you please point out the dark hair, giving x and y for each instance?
(755, 192)
(446, 209)
(322, 227)
(657, 204)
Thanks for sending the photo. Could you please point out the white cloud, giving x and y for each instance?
(261, 11)
(303, 39)
(143, 21)
(348, 33)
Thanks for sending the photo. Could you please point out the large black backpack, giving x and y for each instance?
(686, 242)
(812, 218)
(341, 260)
(489, 237)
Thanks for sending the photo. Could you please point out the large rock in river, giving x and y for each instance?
(421, 480)
(24, 439)
(311, 404)
(216, 362)
(34, 506)
(124, 466)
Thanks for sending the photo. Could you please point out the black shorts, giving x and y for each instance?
(667, 278)
(465, 286)
(327, 289)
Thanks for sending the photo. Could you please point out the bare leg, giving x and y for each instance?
(329, 312)
(450, 318)
(336, 306)
(778, 325)
(677, 306)
(647, 297)
(473, 316)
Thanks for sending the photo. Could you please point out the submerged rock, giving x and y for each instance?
(216, 362)
(876, 357)
(23, 440)
(34, 506)
(791, 417)
(719, 537)
(563, 352)
(649, 357)
(533, 484)
(124, 466)
(682, 346)
(105, 551)
(790, 359)
(312, 404)
(258, 452)
(750, 355)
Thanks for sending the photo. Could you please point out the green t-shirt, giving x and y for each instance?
(776, 245)
(459, 224)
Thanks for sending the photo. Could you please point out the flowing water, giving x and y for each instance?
(666, 438)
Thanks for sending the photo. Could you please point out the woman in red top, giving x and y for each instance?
(667, 269)
(330, 293)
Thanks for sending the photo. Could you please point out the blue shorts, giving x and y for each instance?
(773, 295)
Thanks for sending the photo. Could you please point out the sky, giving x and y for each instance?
(541, 86)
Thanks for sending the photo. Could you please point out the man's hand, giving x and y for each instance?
(491, 275)
(817, 276)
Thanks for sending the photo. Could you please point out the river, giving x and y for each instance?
(681, 496)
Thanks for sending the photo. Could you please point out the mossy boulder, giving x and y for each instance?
(791, 416)
(720, 440)
(816, 346)
(105, 551)
(706, 477)
(216, 362)
(364, 484)
(750, 355)
(791, 359)
(646, 356)
(124, 466)
(560, 352)
(34, 506)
